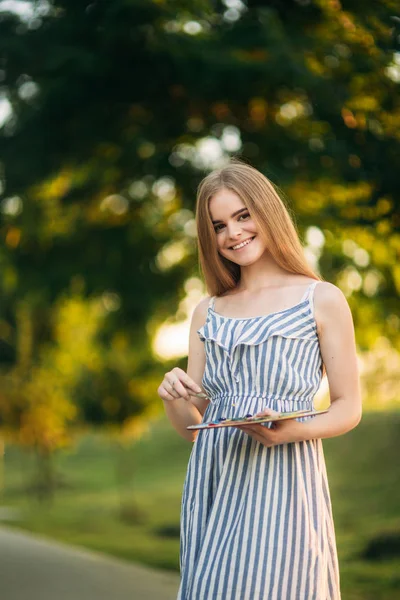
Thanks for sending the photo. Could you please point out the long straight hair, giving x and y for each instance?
(270, 214)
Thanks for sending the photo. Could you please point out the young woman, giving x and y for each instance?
(256, 519)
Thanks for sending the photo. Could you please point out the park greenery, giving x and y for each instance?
(110, 114)
(115, 111)
(88, 507)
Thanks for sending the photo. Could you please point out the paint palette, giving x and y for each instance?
(250, 419)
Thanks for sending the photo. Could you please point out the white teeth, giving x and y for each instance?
(242, 244)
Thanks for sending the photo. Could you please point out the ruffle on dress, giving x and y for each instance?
(295, 322)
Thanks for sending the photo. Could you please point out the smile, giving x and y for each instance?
(242, 244)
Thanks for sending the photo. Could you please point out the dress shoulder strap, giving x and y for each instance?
(211, 302)
(309, 294)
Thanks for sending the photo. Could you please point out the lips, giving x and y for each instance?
(245, 242)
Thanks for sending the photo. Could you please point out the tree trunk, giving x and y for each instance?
(2, 472)
(44, 484)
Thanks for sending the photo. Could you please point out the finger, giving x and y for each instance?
(260, 431)
(262, 440)
(177, 387)
(267, 412)
(254, 426)
(249, 430)
(170, 382)
(192, 385)
(259, 438)
(186, 380)
(171, 389)
(246, 427)
(165, 395)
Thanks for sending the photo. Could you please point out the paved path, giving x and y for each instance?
(34, 569)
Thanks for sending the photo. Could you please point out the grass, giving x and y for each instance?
(126, 501)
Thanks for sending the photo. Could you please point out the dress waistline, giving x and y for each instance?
(233, 399)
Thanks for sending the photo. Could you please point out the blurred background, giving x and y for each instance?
(110, 114)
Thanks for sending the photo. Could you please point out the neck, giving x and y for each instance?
(264, 273)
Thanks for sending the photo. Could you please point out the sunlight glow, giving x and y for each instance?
(11, 206)
(171, 254)
(172, 341)
(115, 203)
(28, 12)
(5, 110)
(393, 70)
(23, 9)
(172, 338)
(192, 27)
(210, 152)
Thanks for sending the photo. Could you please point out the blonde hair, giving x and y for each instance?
(267, 210)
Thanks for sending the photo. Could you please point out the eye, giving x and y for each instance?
(244, 216)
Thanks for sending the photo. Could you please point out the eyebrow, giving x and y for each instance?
(237, 212)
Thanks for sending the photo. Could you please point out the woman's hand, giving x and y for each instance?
(281, 432)
(177, 384)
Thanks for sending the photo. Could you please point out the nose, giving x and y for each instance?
(234, 230)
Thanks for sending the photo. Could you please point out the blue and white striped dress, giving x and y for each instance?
(256, 522)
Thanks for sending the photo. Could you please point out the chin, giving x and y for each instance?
(244, 262)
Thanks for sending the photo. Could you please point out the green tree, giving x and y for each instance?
(119, 108)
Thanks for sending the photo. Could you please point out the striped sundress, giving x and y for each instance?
(256, 522)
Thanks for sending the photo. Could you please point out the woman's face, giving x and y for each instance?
(236, 232)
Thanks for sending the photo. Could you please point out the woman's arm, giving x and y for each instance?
(183, 409)
(338, 349)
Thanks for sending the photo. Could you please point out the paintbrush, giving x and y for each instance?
(199, 395)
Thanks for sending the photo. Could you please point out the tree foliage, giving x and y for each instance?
(118, 108)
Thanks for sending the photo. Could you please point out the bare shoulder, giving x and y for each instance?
(330, 303)
(328, 294)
